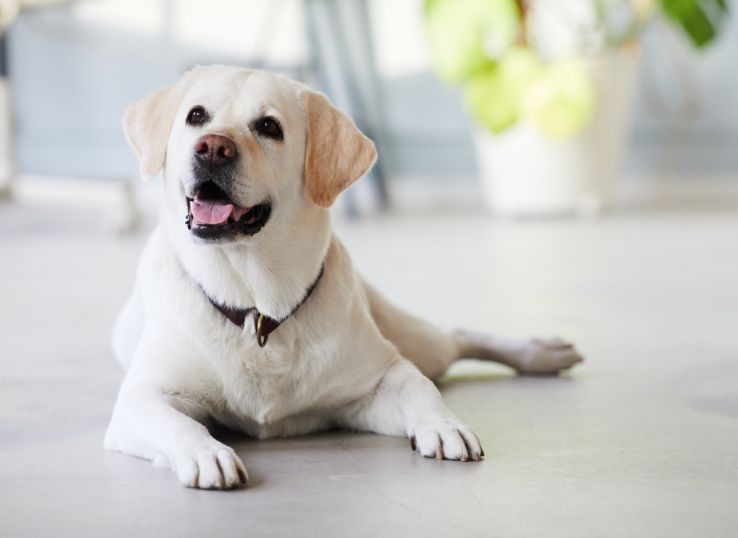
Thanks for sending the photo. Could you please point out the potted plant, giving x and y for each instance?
(550, 86)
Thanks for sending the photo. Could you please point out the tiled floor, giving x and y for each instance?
(641, 440)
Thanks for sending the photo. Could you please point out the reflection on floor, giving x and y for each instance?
(640, 440)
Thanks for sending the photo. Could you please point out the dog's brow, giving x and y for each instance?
(268, 110)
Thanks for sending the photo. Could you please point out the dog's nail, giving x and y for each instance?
(439, 453)
(412, 442)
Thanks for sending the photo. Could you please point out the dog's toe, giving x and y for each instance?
(233, 470)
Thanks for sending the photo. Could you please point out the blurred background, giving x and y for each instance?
(546, 167)
(527, 108)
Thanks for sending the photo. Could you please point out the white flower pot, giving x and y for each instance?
(524, 173)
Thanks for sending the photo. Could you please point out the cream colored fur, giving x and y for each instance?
(346, 358)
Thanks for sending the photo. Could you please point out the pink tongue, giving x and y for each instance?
(209, 212)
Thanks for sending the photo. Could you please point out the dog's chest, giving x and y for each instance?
(262, 386)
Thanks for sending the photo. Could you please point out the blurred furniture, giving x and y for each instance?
(6, 148)
(9, 10)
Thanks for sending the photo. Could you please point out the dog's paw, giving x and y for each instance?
(445, 438)
(547, 356)
(210, 465)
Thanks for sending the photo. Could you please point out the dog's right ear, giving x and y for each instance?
(148, 122)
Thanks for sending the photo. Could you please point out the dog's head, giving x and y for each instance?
(240, 148)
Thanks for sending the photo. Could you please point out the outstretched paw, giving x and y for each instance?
(446, 438)
(541, 356)
(211, 465)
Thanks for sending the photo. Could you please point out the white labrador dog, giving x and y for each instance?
(247, 310)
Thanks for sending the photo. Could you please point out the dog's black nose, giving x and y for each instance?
(215, 150)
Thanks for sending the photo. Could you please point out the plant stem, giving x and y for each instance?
(522, 39)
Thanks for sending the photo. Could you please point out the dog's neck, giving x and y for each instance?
(270, 272)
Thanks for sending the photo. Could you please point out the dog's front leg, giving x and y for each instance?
(152, 425)
(408, 403)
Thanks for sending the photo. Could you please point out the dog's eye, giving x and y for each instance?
(269, 127)
(197, 116)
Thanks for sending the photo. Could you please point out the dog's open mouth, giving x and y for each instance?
(213, 215)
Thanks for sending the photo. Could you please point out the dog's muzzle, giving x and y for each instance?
(212, 215)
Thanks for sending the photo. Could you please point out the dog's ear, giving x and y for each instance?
(336, 152)
(148, 122)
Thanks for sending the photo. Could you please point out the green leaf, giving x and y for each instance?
(494, 95)
(561, 101)
(701, 20)
(460, 32)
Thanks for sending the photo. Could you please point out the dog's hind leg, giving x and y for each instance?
(524, 355)
(433, 350)
(422, 343)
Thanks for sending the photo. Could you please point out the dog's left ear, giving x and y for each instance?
(148, 122)
(336, 152)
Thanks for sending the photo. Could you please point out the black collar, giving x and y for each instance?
(263, 325)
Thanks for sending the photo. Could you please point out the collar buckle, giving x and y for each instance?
(261, 335)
